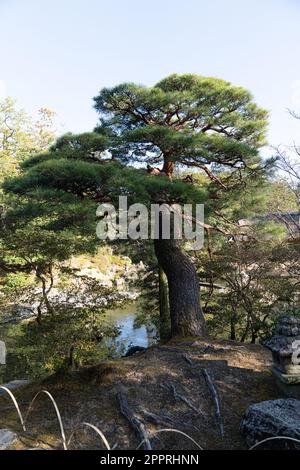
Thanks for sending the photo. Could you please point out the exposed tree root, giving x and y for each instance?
(213, 391)
(135, 421)
(166, 421)
(216, 400)
(178, 396)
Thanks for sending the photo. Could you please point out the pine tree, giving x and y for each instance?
(183, 121)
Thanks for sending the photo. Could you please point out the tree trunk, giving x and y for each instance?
(164, 310)
(45, 292)
(168, 167)
(184, 291)
(246, 331)
(71, 356)
(39, 313)
(254, 335)
(232, 330)
(233, 322)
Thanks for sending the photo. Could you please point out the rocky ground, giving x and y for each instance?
(171, 386)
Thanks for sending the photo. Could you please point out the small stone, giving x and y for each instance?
(277, 418)
(7, 438)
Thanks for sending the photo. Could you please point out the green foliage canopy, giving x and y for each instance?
(189, 119)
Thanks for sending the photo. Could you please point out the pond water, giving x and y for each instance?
(124, 319)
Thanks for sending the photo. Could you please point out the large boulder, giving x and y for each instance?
(13, 385)
(7, 438)
(133, 350)
(278, 418)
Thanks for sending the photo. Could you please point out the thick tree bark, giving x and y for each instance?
(169, 166)
(164, 309)
(184, 291)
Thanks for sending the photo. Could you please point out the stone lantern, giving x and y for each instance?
(285, 348)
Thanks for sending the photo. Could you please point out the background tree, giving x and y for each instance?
(75, 334)
(252, 284)
(251, 275)
(21, 136)
(288, 164)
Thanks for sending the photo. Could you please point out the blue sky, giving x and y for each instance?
(60, 53)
